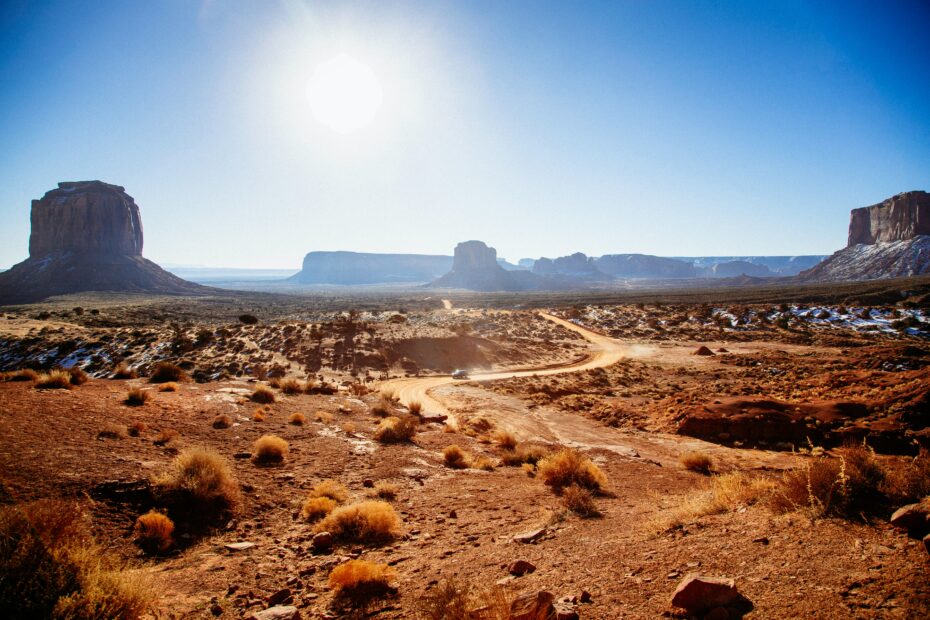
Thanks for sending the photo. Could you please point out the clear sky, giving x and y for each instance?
(670, 128)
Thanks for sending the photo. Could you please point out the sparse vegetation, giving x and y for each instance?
(523, 455)
(315, 508)
(568, 467)
(453, 456)
(292, 386)
(171, 386)
(78, 376)
(386, 406)
(330, 489)
(166, 436)
(258, 416)
(369, 521)
(153, 532)
(348, 428)
(136, 397)
(324, 417)
(415, 407)
(54, 380)
(222, 421)
(579, 500)
(165, 372)
(385, 490)
(697, 461)
(360, 580)
(297, 419)
(199, 486)
(269, 449)
(396, 430)
(26, 374)
(123, 371)
(506, 440)
(136, 428)
(263, 394)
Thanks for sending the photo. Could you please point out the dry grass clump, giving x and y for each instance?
(907, 479)
(523, 455)
(222, 421)
(453, 456)
(478, 425)
(292, 386)
(123, 371)
(454, 600)
(112, 431)
(361, 580)
(415, 407)
(171, 386)
(697, 461)
(258, 416)
(368, 521)
(580, 501)
(484, 463)
(331, 489)
(396, 430)
(166, 436)
(153, 532)
(78, 376)
(315, 508)
(324, 417)
(199, 486)
(26, 374)
(263, 394)
(719, 494)
(348, 428)
(136, 429)
(54, 380)
(385, 406)
(51, 567)
(165, 372)
(506, 440)
(567, 467)
(297, 419)
(269, 449)
(385, 490)
(136, 397)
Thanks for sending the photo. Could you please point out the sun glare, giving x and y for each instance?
(344, 94)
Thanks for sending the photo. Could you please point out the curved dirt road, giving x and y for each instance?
(607, 351)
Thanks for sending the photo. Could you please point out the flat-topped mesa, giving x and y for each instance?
(86, 217)
(899, 218)
(473, 255)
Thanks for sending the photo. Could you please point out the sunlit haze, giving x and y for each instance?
(251, 133)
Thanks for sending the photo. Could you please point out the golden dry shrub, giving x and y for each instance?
(222, 421)
(697, 461)
(123, 371)
(269, 449)
(315, 508)
(506, 440)
(51, 567)
(136, 428)
(396, 430)
(579, 500)
(369, 521)
(484, 463)
(523, 455)
(199, 485)
(166, 436)
(453, 599)
(153, 532)
(292, 386)
(136, 397)
(258, 416)
(54, 380)
(385, 406)
(263, 394)
(331, 489)
(385, 490)
(78, 376)
(171, 386)
(165, 372)
(567, 467)
(26, 374)
(348, 428)
(323, 417)
(415, 407)
(361, 579)
(297, 419)
(453, 456)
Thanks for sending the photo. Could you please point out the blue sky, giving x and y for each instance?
(670, 128)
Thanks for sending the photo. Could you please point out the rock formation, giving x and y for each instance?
(643, 266)
(576, 265)
(475, 267)
(887, 240)
(87, 236)
(346, 268)
(731, 269)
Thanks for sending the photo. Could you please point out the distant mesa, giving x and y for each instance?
(644, 266)
(890, 239)
(350, 268)
(475, 268)
(87, 236)
(575, 265)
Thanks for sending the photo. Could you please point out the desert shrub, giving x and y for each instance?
(136, 428)
(275, 382)
(368, 521)
(292, 386)
(453, 456)
(506, 440)
(269, 449)
(568, 467)
(324, 417)
(26, 374)
(166, 371)
(263, 394)
(258, 416)
(222, 421)
(396, 430)
(136, 397)
(385, 406)
(78, 376)
(385, 490)
(579, 500)
(112, 431)
(478, 425)
(360, 580)
(484, 463)
(697, 461)
(171, 386)
(415, 407)
(165, 436)
(54, 380)
(297, 419)
(452, 599)
(123, 371)
(153, 532)
(315, 508)
(199, 486)
(718, 494)
(348, 428)
(50, 567)
(523, 454)
(907, 479)
(330, 489)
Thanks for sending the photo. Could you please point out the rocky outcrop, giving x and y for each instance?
(87, 236)
(643, 266)
(348, 268)
(731, 269)
(887, 240)
(576, 265)
(899, 218)
(475, 268)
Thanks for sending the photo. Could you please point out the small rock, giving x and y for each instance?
(531, 606)
(761, 540)
(277, 613)
(699, 594)
(530, 537)
(240, 546)
(453, 515)
(565, 611)
(242, 455)
(279, 597)
(368, 483)
(915, 518)
(519, 568)
(585, 597)
(216, 610)
(322, 542)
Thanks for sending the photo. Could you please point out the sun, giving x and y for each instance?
(344, 94)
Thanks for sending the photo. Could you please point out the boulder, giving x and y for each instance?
(322, 542)
(915, 518)
(926, 541)
(699, 594)
(518, 568)
(530, 536)
(279, 612)
(532, 606)
(702, 350)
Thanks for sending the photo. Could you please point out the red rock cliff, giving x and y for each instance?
(898, 218)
